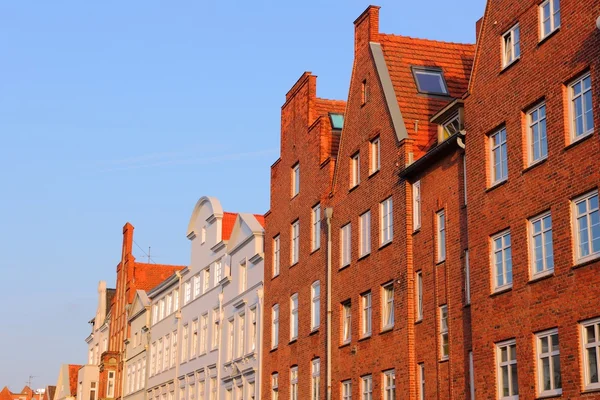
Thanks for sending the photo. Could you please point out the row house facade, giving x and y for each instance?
(135, 350)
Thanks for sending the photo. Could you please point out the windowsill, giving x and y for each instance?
(314, 331)
(344, 344)
(274, 276)
(541, 276)
(293, 264)
(237, 359)
(364, 256)
(548, 36)
(440, 262)
(353, 187)
(273, 349)
(509, 65)
(417, 230)
(586, 261)
(381, 246)
(343, 267)
(294, 196)
(444, 360)
(365, 337)
(550, 394)
(292, 341)
(314, 251)
(467, 305)
(371, 174)
(386, 329)
(576, 141)
(501, 290)
(534, 164)
(496, 185)
(592, 389)
(419, 321)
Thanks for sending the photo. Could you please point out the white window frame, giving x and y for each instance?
(375, 164)
(441, 235)
(206, 278)
(421, 372)
(514, 35)
(588, 347)
(419, 295)
(173, 348)
(215, 328)
(416, 196)
(295, 242)
(345, 245)
(274, 386)
(504, 250)
(275, 326)
(364, 222)
(389, 384)
(355, 170)
(366, 303)
(230, 339)
(196, 285)
(315, 305)
(346, 322)
(243, 276)
(347, 389)
(194, 345)
(315, 382)
(218, 272)
(276, 255)
(316, 227)
(539, 123)
(204, 333)
(110, 384)
(188, 292)
(184, 344)
(498, 151)
(387, 306)
(366, 387)
(254, 331)
(295, 179)
(510, 364)
(549, 354)
(294, 304)
(386, 221)
(444, 335)
(450, 127)
(587, 130)
(577, 233)
(294, 383)
(547, 249)
(241, 335)
(554, 13)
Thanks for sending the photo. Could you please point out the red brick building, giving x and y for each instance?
(25, 394)
(131, 276)
(295, 246)
(533, 173)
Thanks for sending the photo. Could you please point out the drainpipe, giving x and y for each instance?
(328, 215)
(178, 317)
(220, 351)
(261, 307)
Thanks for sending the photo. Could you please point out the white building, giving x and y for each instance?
(135, 348)
(218, 326)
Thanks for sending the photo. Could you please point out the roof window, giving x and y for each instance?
(337, 120)
(430, 81)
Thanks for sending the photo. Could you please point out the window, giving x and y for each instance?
(363, 93)
(451, 127)
(508, 385)
(275, 326)
(389, 385)
(295, 179)
(365, 322)
(375, 164)
(241, 335)
(316, 379)
(430, 81)
(110, 384)
(153, 359)
(467, 279)
(203, 235)
(295, 241)
(387, 306)
(166, 352)
(254, 329)
(173, 349)
(441, 236)
(347, 390)
(549, 17)
(159, 356)
(154, 314)
(194, 347)
(355, 170)
(294, 383)
(416, 194)
(502, 260)
(386, 221)
(499, 162)
(538, 140)
(294, 316)
(161, 309)
(419, 294)
(196, 286)
(93, 390)
(218, 272)
(201, 390)
(187, 292)
(591, 353)
(206, 280)
(421, 371)
(251, 391)
(511, 46)
(582, 118)
(548, 363)
(213, 388)
(230, 341)
(203, 333)
(316, 227)
(367, 387)
(542, 256)
(276, 256)
(184, 344)
(346, 322)
(215, 328)
(176, 300)
(243, 276)
(345, 244)
(169, 304)
(275, 386)
(336, 120)
(365, 234)
(444, 346)
(587, 226)
(315, 311)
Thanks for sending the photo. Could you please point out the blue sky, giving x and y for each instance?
(119, 111)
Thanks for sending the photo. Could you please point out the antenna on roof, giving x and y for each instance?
(30, 380)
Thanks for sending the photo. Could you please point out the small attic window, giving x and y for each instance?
(337, 120)
(430, 81)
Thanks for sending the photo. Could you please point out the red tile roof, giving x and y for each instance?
(73, 371)
(228, 222)
(5, 394)
(260, 219)
(402, 52)
(148, 276)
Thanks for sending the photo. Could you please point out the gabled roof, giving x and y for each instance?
(5, 394)
(73, 371)
(260, 219)
(228, 222)
(148, 276)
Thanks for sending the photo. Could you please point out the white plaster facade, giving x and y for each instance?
(134, 387)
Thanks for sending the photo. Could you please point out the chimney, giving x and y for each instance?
(366, 27)
(127, 240)
(477, 29)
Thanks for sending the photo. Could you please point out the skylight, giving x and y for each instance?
(430, 81)
(337, 120)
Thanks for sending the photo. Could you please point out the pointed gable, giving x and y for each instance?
(140, 302)
(245, 226)
(5, 394)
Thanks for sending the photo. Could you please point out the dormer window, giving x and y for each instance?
(451, 127)
(430, 81)
(450, 120)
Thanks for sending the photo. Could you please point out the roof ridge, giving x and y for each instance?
(392, 35)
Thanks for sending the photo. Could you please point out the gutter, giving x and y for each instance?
(413, 169)
(328, 215)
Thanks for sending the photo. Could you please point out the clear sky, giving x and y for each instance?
(115, 111)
